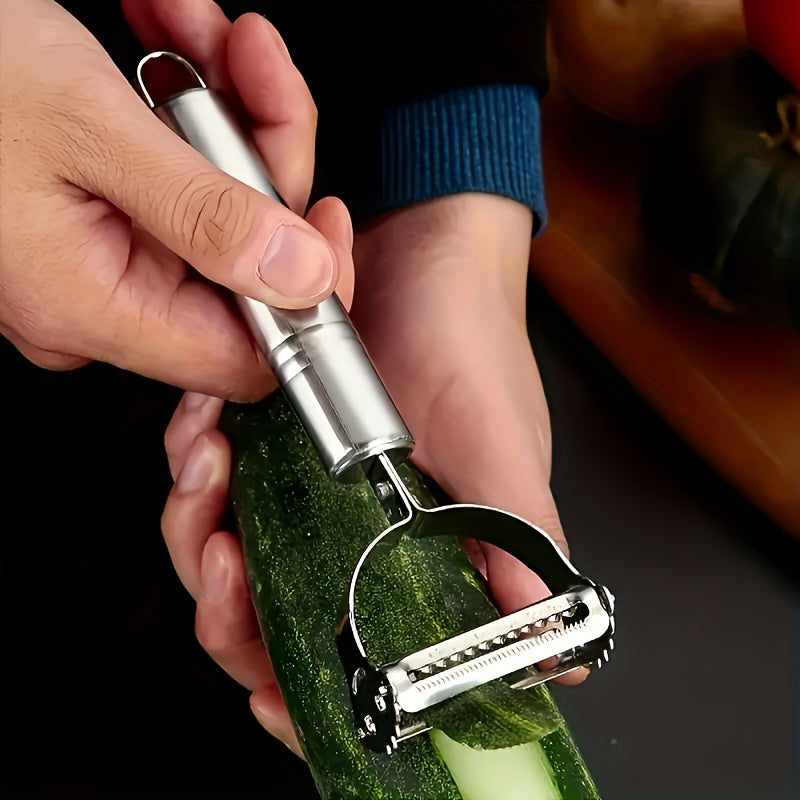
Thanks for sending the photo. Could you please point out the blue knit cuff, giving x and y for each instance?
(481, 139)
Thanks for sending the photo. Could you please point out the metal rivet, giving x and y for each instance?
(384, 490)
(358, 676)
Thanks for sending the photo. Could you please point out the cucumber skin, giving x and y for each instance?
(302, 535)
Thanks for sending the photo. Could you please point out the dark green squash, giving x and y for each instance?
(721, 190)
(302, 535)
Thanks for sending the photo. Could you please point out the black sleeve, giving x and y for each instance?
(388, 55)
(407, 50)
(360, 60)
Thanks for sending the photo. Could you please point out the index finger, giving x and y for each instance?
(248, 60)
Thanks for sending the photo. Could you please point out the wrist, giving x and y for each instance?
(474, 240)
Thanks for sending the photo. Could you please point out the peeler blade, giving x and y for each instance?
(560, 627)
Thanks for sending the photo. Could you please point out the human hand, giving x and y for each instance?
(208, 559)
(440, 304)
(103, 206)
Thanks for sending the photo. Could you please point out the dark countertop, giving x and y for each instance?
(110, 697)
(701, 700)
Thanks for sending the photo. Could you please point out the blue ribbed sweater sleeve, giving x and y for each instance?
(478, 139)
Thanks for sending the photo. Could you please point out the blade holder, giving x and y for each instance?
(572, 628)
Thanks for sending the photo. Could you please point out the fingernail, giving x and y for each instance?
(296, 263)
(197, 470)
(282, 48)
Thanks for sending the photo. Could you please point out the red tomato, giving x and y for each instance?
(773, 27)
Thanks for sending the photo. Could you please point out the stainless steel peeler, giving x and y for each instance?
(334, 389)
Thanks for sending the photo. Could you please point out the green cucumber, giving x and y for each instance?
(302, 535)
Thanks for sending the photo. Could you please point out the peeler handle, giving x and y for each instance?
(316, 353)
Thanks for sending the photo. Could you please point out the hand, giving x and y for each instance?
(209, 561)
(440, 303)
(103, 206)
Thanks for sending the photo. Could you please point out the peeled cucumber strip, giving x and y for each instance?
(511, 773)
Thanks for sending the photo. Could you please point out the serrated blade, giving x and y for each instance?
(488, 652)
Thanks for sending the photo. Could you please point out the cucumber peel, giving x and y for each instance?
(302, 535)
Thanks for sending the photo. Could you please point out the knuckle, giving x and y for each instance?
(211, 216)
(73, 137)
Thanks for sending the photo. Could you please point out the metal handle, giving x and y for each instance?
(316, 354)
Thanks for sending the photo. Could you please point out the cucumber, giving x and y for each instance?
(302, 535)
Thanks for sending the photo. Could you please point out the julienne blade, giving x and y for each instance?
(490, 666)
(457, 671)
(531, 619)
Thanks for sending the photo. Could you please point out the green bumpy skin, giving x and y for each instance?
(302, 535)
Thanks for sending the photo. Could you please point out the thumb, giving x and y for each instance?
(228, 231)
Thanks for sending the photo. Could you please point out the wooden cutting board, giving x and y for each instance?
(730, 388)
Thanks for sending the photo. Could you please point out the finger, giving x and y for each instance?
(158, 320)
(197, 29)
(574, 678)
(225, 623)
(331, 218)
(513, 586)
(249, 60)
(196, 506)
(279, 102)
(195, 414)
(270, 711)
(183, 332)
(141, 19)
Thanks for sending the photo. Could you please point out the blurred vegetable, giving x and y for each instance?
(773, 28)
(721, 189)
(623, 57)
